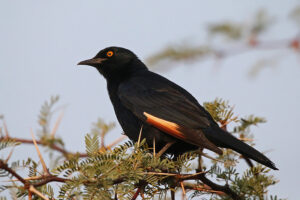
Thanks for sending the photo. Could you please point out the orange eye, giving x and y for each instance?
(110, 53)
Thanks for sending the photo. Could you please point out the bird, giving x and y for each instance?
(150, 106)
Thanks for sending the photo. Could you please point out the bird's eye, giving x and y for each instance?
(110, 53)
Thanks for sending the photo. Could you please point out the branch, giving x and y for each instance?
(213, 186)
(50, 178)
(185, 53)
(254, 44)
(51, 146)
(136, 194)
(4, 166)
(62, 150)
(208, 187)
(223, 188)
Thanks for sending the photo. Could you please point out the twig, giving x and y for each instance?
(102, 145)
(160, 173)
(52, 146)
(50, 178)
(180, 177)
(29, 195)
(4, 166)
(136, 194)
(190, 176)
(203, 188)
(248, 161)
(164, 149)
(60, 149)
(215, 187)
(140, 135)
(209, 157)
(225, 123)
(223, 188)
(258, 45)
(117, 141)
(28, 178)
(246, 139)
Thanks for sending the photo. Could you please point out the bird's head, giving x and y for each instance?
(114, 61)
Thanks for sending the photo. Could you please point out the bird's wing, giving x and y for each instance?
(168, 107)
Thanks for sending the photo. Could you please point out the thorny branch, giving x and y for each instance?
(207, 186)
(213, 187)
(191, 53)
(55, 147)
(31, 183)
(51, 146)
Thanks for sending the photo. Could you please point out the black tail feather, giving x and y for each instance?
(224, 139)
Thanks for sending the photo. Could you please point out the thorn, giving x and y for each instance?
(9, 155)
(118, 140)
(160, 173)
(183, 190)
(39, 153)
(27, 179)
(5, 129)
(224, 124)
(194, 175)
(207, 156)
(57, 124)
(140, 135)
(164, 149)
(203, 188)
(35, 191)
(246, 139)
(102, 148)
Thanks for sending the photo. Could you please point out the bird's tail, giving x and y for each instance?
(224, 139)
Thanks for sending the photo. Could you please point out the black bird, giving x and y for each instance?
(169, 116)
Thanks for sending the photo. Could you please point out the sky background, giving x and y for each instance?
(42, 41)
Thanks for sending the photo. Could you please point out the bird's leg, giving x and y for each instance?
(248, 161)
(164, 149)
(200, 161)
(172, 194)
(154, 149)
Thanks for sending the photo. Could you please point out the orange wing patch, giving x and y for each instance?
(165, 126)
(195, 137)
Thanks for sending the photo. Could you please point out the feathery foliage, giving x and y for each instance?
(118, 173)
(7, 142)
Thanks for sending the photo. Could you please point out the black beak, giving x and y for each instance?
(92, 62)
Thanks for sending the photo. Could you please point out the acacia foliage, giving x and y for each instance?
(130, 169)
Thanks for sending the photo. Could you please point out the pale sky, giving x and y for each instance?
(42, 41)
